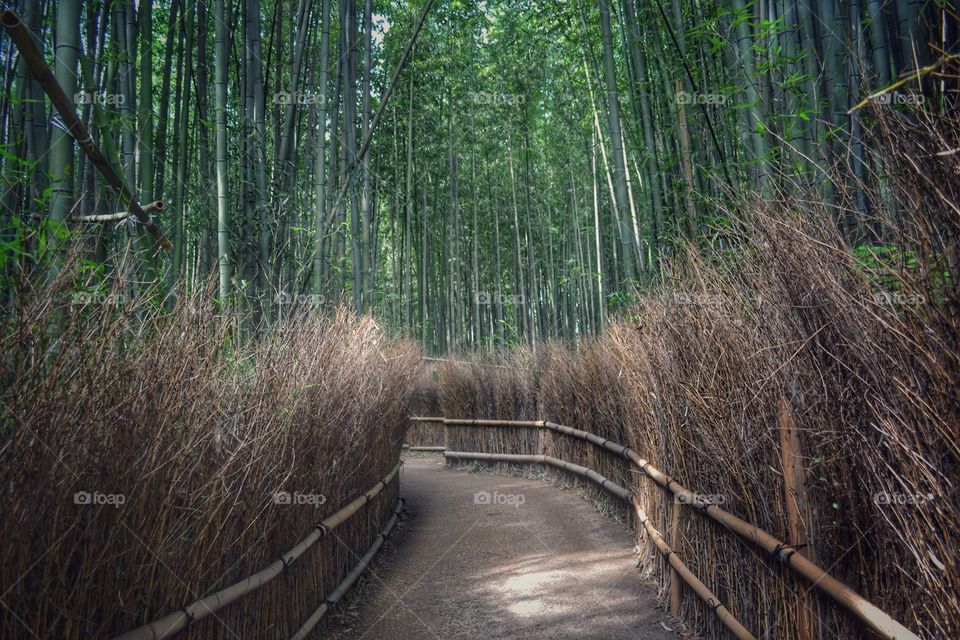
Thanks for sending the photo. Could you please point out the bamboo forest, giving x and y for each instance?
(275, 273)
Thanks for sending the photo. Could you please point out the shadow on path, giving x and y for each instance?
(536, 562)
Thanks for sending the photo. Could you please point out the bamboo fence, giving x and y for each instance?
(186, 616)
(540, 435)
(425, 434)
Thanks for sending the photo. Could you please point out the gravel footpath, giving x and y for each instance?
(533, 562)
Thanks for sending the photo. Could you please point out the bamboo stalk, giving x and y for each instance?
(181, 619)
(351, 577)
(872, 616)
(22, 37)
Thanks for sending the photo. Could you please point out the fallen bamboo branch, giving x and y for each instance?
(737, 629)
(347, 582)
(916, 74)
(153, 207)
(872, 616)
(21, 36)
(185, 616)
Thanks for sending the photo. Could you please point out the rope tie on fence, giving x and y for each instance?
(784, 551)
(188, 616)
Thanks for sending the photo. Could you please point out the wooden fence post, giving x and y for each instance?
(545, 442)
(676, 583)
(797, 499)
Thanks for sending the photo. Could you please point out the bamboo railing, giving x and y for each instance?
(425, 434)
(179, 620)
(347, 582)
(874, 618)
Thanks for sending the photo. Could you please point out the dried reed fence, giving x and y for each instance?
(782, 355)
(425, 434)
(149, 459)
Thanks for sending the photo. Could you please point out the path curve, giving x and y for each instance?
(538, 562)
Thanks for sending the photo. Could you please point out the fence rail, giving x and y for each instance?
(179, 620)
(873, 617)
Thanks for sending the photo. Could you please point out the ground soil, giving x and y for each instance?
(535, 561)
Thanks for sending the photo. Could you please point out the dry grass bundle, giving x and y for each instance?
(142, 452)
(497, 386)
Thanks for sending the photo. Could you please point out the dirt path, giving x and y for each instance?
(537, 562)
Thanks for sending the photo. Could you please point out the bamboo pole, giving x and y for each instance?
(590, 474)
(676, 590)
(873, 617)
(351, 577)
(22, 37)
(796, 496)
(185, 616)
